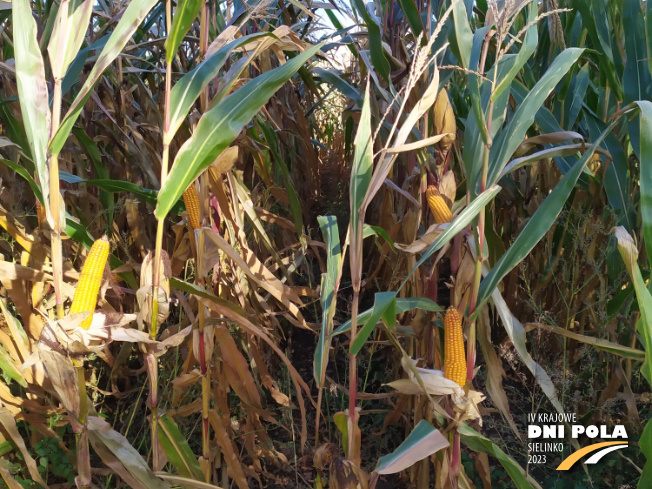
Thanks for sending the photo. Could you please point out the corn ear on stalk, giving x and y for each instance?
(191, 200)
(438, 205)
(454, 355)
(90, 280)
(444, 120)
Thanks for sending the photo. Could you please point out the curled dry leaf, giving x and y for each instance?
(424, 242)
(324, 455)
(345, 474)
(9, 424)
(66, 335)
(436, 384)
(448, 187)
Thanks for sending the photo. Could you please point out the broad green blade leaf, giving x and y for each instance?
(646, 172)
(32, 92)
(177, 449)
(187, 89)
(413, 17)
(334, 78)
(527, 49)
(516, 334)
(184, 16)
(25, 174)
(329, 287)
(581, 82)
(102, 172)
(616, 177)
(421, 443)
(510, 137)
(648, 37)
(460, 222)
(362, 164)
(463, 35)
(131, 19)
(476, 442)
(16, 329)
(293, 196)
(645, 444)
(199, 291)
(115, 186)
(629, 253)
(537, 226)
(637, 80)
(378, 57)
(403, 304)
(548, 123)
(68, 33)
(359, 187)
(9, 367)
(598, 343)
(218, 127)
(382, 302)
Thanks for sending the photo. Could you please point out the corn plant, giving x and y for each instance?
(465, 163)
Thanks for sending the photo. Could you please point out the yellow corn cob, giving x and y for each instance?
(191, 199)
(90, 280)
(454, 356)
(438, 206)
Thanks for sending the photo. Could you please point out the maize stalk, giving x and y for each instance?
(191, 200)
(454, 357)
(438, 205)
(90, 280)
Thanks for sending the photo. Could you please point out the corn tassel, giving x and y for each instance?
(90, 280)
(454, 356)
(191, 199)
(438, 206)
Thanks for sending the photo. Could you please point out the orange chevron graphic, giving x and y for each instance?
(569, 461)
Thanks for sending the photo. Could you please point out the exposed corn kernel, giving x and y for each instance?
(90, 280)
(438, 206)
(191, 199)
(454, 355)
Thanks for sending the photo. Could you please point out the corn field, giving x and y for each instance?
(308, 244)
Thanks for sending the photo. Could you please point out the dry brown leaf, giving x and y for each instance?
(237, 369)
(255, 270)
(116, 451)
(448, 187)
(423, 243)
(266, 378)
(436, 384)
(61, 372)
(234, 467)
(6, 476)
(9, 424)
(225, 161)
(298, 382)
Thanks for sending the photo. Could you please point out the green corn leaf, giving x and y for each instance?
(32, 93)
(218, 127)
(537, 226)
(131, 19)
(329, 287)
(423, 441)
(184, 15)
(177, 449)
